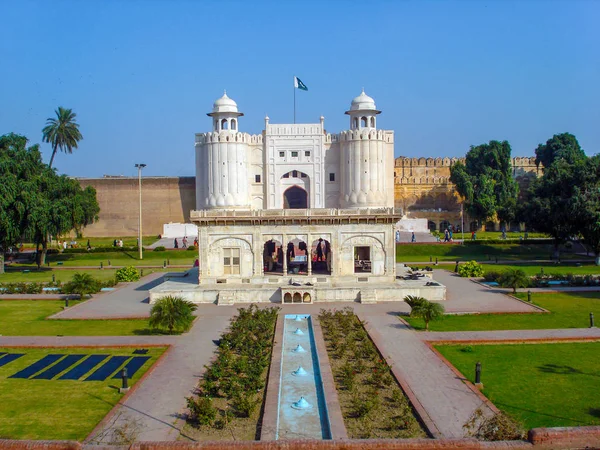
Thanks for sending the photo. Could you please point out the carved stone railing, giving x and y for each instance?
(318, 214)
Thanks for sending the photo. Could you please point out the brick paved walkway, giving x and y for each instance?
(446, 399)
(502, 335)
(158, 402)
(463, 295)
(130, 300)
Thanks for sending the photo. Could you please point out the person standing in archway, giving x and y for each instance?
(320, 250)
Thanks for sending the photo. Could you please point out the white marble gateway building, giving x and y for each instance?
(297, 214)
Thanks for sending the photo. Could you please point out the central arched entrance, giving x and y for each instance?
(295, 198)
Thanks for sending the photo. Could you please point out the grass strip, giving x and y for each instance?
(540, 385)
(28, 318)
(567, 310)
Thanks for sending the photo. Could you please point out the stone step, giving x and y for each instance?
(368, 296)
(226, 298)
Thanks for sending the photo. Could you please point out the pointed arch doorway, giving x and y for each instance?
(295, 198)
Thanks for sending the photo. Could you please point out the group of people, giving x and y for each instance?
(448, 235)
(184, 242)
(118, 243)
(273, 255)
(413, 238)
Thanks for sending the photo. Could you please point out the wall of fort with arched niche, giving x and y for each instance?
(422, 188)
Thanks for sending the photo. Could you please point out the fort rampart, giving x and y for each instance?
(422, 188)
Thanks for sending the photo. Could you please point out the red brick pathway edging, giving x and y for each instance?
(422, 414)
(539, 438)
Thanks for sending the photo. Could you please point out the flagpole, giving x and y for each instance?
(294, 85)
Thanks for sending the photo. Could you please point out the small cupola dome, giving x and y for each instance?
(362, 112)
(225, 105)
(363, 103)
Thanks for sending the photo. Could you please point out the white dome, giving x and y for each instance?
(362, 102)
(224, 105)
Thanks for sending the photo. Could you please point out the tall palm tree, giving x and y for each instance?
(63, 132)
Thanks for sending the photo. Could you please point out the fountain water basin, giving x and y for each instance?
(302, 410)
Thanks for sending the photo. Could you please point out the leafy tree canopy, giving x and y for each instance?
(485, 182)
(560, 146)
(35, 202)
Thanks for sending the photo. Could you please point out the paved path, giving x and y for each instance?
(463, 295)
(502, 335)
(130, 300)
(160, 400)
(447, 400)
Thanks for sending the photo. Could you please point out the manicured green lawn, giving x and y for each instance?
(481, 252)
(568, 310)
(151, 258)
(534, 269)
(63, 275)
(541, 385)
(58, 409)
(498, 235)
(28, 318)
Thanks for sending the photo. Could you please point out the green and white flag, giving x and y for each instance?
(298, 84)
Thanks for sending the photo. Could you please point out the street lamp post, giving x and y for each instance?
(139, 168)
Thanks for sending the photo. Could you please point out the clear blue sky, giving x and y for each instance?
(141, 75)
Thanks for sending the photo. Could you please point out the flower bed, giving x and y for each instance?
(373, 404)
(228, 401)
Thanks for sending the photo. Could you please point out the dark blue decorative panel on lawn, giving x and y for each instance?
(84, 367)
(107, 369)
(133, 366)
(9, 357)
(37, 366)
(58, 368)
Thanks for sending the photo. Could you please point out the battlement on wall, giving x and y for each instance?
(228, 136)
(403, 161)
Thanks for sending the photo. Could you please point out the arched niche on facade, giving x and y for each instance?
(295, 198)
(231, 256)
(364, 247)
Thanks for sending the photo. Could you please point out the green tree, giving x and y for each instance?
(514, 278)
(173, 313)
(20, 167)
(560, 146)
(586, 204)
(82, 284)
(427, 311)
(35, 202)
(62, 132)
(550, 203)
(486, 183)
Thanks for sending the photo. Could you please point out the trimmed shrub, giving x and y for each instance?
(160, 248)
(192, 247)
(127, 274)
(492, 275)
(105, 249)
(21, 288)
(470, 269)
